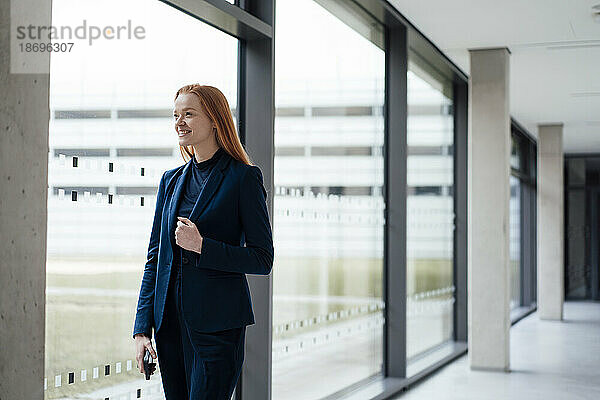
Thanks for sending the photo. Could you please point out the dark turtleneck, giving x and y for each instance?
(197, 177)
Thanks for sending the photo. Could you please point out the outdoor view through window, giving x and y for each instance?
(112, 103)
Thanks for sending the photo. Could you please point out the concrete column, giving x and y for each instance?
(488, 210)
(550, 223)
(24, 117)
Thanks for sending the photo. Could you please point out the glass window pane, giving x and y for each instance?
(515, 152)
(515, 242)
(430, 211)
(328, 218)
(112, 105)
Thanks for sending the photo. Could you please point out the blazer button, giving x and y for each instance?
(184, 260)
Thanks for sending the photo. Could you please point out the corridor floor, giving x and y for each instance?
(548, 360)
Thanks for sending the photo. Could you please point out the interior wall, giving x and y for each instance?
(24, 117)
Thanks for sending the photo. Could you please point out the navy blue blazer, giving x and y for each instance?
(230, 211)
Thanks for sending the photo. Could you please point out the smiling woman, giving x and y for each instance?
(194, 127)
(200, 323)
(203, 122)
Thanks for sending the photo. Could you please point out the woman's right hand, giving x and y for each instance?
(142, 342)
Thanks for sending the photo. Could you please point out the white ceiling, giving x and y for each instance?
(554, 61)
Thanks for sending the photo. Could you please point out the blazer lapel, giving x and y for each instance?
(176, 197)
(211, 186)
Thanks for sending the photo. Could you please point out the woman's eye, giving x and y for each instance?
(188, 113)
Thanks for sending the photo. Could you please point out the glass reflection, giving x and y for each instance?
(328, 218)
(515, 242)
(430, 211)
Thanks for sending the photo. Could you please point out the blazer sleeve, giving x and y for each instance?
(144, 318)
(257, 256)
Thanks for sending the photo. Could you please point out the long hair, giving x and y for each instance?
(215, 106)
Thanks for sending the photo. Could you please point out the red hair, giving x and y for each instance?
(215, 106)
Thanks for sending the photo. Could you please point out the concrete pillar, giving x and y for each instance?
(488, 210)
(24, 117)
(550, 223)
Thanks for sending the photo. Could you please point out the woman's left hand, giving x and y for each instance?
(187, 235)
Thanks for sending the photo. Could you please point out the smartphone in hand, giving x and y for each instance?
(149, 364)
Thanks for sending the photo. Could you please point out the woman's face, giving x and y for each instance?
(192, 125)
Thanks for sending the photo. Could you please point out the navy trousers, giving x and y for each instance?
(196, 365)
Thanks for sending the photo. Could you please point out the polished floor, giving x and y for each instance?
(548, 360)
